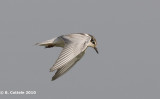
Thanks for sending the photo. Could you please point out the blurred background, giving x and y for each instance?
(127, 32)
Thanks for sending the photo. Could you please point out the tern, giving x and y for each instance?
(74, 46)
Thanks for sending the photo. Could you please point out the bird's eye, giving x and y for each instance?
(92, 41)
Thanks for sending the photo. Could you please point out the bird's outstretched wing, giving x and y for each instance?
(72, 52)
(72, 48)
(67, 66)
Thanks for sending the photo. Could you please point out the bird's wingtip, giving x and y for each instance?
(53, 78)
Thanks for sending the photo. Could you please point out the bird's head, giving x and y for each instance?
(93, 43)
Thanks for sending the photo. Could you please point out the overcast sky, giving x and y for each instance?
(128, 36)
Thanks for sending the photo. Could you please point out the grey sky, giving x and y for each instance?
(127, 32)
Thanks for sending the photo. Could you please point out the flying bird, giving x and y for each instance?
(74, 46)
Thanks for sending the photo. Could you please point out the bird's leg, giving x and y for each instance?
(49, 45)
